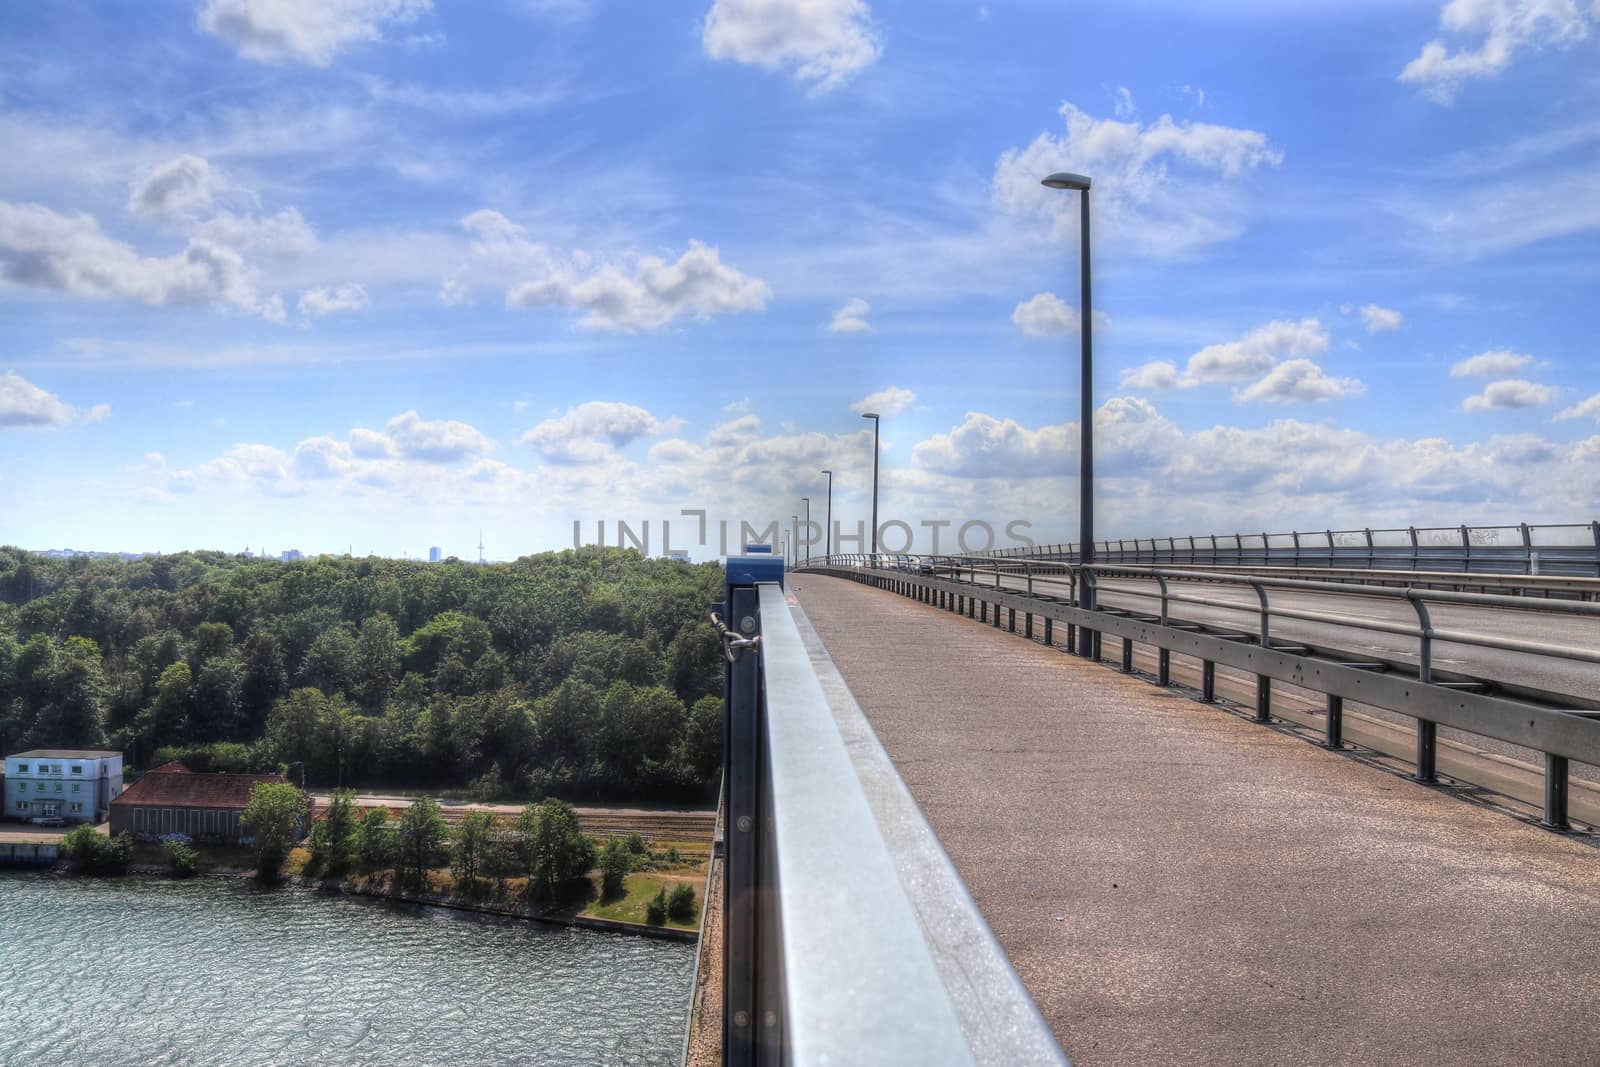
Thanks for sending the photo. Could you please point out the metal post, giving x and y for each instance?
(1127, 655)
(1208, 681)
(1555, 792)
(807, 501)
(1335, 732)
(827, 534)
(741, 804)
(1049, 637)
(1263, 682)
(1427, 730)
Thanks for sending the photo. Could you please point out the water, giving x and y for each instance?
(217, 973)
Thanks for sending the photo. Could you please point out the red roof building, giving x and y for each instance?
(174, 800)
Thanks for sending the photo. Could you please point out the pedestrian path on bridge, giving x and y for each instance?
(1173, 882)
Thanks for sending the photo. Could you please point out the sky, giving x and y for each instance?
(378, 275)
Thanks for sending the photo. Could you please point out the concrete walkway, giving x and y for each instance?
(1174, 883)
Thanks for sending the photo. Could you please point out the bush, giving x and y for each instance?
(635, 844)
(181, 855)
(681, 906)
(89, 852)
(655, 912)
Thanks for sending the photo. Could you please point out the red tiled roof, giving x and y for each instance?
(178, 789)
(172, 766)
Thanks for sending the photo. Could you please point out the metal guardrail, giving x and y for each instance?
(848, 935)
(1062, 592)
(1571, 549)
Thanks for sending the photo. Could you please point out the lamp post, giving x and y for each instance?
(873, 415)
(1089, 642)
(794, 537)
(807, 502)
(827, 533)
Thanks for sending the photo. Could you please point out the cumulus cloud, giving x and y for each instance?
(1257, 352)
(1043, 315)
(181, 188)
(1298, 381)
(1589, 407)
(69, 253)
(1501, 29)
(442, 441)
(24, 404)
(1494, 363)
(285, 233)
(303, 31)
(97, 413)
(647, 295)
(852, 318)
(591, 432)
(821, 43)
(325, 301)
(1378, 319)
(1166, 188)
(886, 402)
(1510, 393)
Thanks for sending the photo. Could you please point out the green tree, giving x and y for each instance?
(330, 663)
(90, 852)
(333, 837)
(680, 906)
(557, 851)
(655, 912)
(217, 707)
(615, 865)
(419, 843)
(377, 665)
(470, 851)
(182, 859)
(375, 840)
(272, 818)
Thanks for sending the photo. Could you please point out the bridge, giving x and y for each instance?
(1001, 807)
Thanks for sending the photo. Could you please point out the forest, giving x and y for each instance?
(588, 674)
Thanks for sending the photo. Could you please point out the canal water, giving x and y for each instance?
(216, 972)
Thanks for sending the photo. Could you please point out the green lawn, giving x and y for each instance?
(641, 888)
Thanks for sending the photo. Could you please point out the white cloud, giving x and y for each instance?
(820, 42)
(591, 432)
(1299, 381)
(303, 31)
(70, 253)
(852, 318)
(370, 444)
(324, 301)
(1494, 363)
(443, 441)
(462, 103)
(1378, 319)
(886, 402)
(1122, 103)
(24, 404)
(1257, 352)
(97, 413)
(1165, 189)
(1583, 409)
(1502, 28)
(1044, 315)
(181, 188)
(1510, 393)
(283, 234)
(649, 295)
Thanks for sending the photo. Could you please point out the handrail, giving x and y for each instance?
(848, 935)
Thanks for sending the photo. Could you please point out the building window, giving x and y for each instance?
(76, 787)
(77, 807)
(58, 787)
(22, 768)
(77, 770)
(22, 805)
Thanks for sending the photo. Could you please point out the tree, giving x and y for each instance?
(272, 819)
(375, 840)
(655, 912)
(216, 707)
(615, 865)
(377, 662)
(333, 836)
(419, 842)
(557, 851)
(469, 853)
(680, 906)
(90, 852)
(182, 858)
(330, 663)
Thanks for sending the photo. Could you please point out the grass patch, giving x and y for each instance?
(640, 888)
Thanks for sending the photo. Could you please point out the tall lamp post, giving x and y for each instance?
(827, 534)
(1089, 642)
(807, 502)
(873, 415)
(794, 538)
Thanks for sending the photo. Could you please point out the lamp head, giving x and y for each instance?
(1063, 180)
(869, 415)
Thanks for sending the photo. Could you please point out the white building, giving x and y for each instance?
(73, 784)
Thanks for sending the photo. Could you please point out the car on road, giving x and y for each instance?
(48, 820)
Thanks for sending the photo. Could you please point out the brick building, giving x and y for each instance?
(175, 800)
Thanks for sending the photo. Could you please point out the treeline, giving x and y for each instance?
(583, 674)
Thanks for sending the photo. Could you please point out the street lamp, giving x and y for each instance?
(827, 534)
(1088, 646)
(873, 415)
(807, 502)
(794, 537)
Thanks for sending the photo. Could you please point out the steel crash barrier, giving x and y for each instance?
(1564, 727)
(848, 937)
(1558, 550)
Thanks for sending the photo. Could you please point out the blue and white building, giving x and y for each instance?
(73, 784)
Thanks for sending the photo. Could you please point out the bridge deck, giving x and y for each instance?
(1173, 882)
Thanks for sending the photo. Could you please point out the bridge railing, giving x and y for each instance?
(848, 937)
(1562, 726)
(1571, 549)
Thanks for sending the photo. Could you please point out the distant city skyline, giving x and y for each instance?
(329, 275)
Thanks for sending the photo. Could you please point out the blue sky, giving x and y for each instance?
(378, 273)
